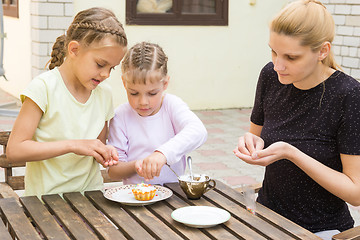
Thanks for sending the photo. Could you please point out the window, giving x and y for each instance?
(177, 12)
(11, 8)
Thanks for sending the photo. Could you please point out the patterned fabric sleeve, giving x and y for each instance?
(349, 130)
(257, 115)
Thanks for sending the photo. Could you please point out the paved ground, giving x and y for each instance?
(214, 158)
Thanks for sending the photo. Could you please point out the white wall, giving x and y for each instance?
(17, 51)
(210, 67)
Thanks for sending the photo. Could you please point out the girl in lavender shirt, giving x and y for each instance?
(153, 128)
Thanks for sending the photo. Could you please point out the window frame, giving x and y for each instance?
(10, 10)
(219, 18)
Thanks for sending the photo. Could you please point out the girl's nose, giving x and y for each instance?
(143, 100)
(105, 74)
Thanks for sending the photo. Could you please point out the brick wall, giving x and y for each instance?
(346, 45)
(49, 19)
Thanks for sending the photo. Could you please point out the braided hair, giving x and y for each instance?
(144, 62)
(89, 26)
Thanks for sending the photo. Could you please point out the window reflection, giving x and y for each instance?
(154, 6)
(199, 6)
(165, 6)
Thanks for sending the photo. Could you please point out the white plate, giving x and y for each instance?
(200, 216)
(124, 195)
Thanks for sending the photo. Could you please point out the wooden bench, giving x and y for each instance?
(352, 233)
(12, 182)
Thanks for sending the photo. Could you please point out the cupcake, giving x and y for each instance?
(144, 192)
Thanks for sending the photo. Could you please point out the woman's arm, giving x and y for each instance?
(22, 148)
(345, 185)
(255, 129)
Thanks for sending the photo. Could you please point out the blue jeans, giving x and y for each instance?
(327, 235)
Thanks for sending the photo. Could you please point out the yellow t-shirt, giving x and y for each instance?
(65, 118)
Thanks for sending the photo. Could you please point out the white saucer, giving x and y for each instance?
(200, 216)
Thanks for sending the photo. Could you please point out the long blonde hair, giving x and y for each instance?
(311, 22)
(89, 26)
(144, 62)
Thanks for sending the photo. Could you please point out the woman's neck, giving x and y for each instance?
(320, 74)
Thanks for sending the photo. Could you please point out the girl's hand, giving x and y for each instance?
(114, 156)
(94, 147)
(150, 166)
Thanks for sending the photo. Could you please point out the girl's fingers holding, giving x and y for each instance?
(114, 154)
(99, 158)
(146, 169)
(154, 170)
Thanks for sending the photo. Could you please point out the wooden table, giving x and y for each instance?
(94, 217)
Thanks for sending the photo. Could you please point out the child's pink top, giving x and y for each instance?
(175, 131)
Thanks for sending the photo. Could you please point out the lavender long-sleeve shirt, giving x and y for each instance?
(174, 131)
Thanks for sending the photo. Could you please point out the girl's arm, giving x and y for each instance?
(103, 135)
(190, 132)
(112, 151)
(122, 170)
(22, 148)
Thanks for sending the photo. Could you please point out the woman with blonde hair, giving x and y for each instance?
(305, 124)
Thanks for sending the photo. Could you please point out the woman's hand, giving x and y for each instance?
(150, 166)
(247, 145)
(276, 151)
(251, 150)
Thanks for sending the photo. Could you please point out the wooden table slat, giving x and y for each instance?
(243, 230)
(4, 233)
(94, 218)
(17, 220)
(163, 212)
(248, 218)
(216, 232)
(151, 223)
(42, 218)
(70, 220)
(268, 215)
(118, 216)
